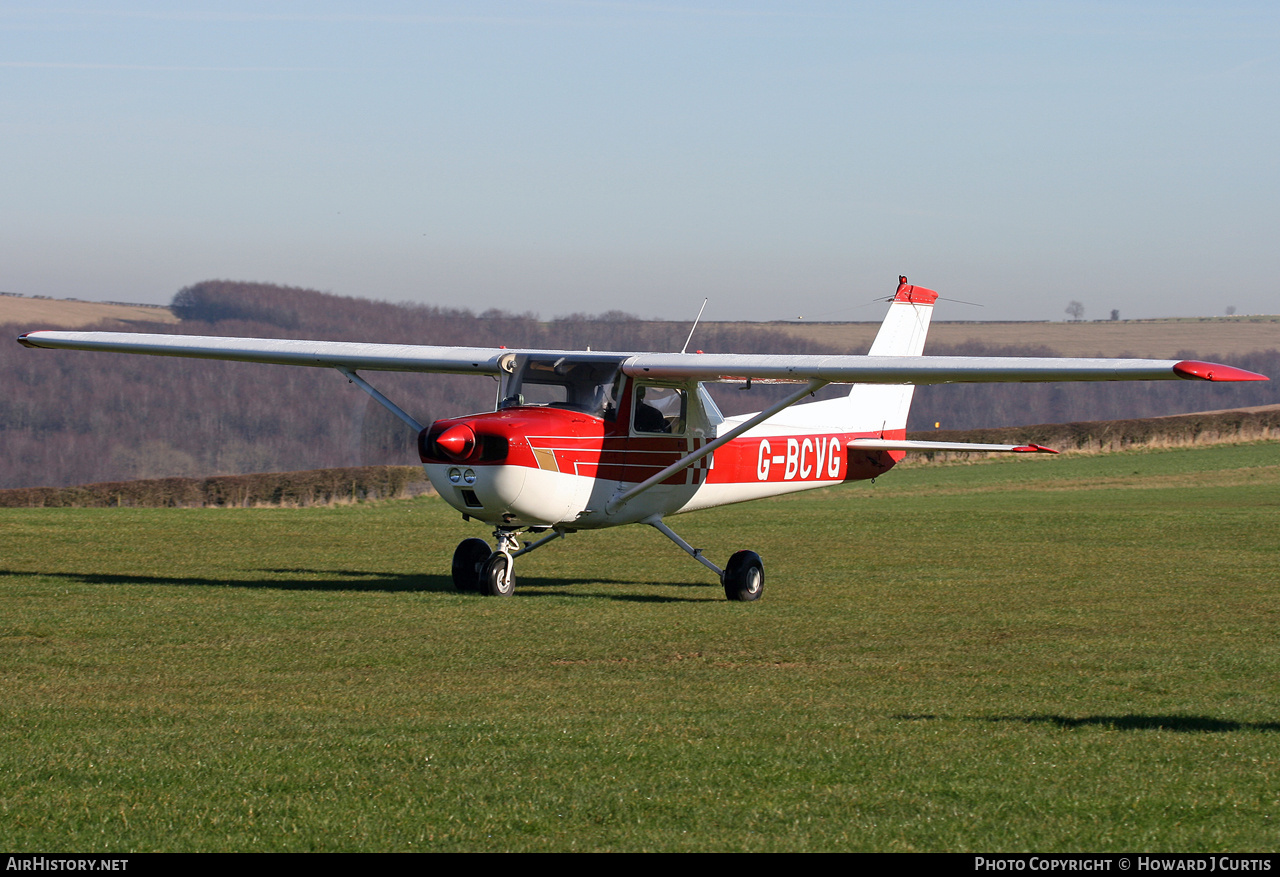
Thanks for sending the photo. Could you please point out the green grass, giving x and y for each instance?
(1077, 653)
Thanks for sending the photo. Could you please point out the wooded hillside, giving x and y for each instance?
(70, 417)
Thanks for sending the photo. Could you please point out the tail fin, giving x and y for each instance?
(904, 328)
(883, 407)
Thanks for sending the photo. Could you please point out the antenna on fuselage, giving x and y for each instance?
(695, 326)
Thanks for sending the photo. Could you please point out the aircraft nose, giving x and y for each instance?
(457, 441)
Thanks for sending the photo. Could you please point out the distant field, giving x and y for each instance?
(1045, 654)
(43, 313)
(1154, 338)
(1159, 339)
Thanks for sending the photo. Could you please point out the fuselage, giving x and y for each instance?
(549, 465)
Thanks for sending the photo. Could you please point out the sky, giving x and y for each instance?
(784, 160)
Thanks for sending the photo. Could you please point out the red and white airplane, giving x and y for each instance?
(582, 440)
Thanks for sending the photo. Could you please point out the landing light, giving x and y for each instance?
(455, 476)
(469, 476)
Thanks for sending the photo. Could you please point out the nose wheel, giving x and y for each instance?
(497, 577)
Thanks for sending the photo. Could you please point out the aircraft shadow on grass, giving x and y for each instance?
(387, 582)
(541, 586)
(1129, 722)
(1136, 722)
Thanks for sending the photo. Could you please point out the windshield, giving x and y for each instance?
(575, 382)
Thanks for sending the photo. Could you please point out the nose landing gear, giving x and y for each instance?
(492, 572)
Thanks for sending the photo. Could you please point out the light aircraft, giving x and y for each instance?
(582, 440)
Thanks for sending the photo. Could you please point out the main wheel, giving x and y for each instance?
(744, 577)
(494, 580)
(468, 558)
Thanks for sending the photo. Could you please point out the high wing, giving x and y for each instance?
(846, 369)
(923, 369)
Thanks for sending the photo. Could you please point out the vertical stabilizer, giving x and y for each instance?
(883, 407)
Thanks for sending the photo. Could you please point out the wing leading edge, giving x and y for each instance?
(720, 367)
(280, 351)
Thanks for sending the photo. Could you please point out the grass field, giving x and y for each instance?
(1062, 654)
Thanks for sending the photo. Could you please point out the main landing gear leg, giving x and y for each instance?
(476, 568)
(743, 577)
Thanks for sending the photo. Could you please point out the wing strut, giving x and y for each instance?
(689, 459)
(381, 399)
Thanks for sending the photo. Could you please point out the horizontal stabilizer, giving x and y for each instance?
(903, 445)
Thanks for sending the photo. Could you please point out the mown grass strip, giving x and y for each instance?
(1066, 655)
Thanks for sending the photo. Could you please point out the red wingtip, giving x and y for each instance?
(1194, 370)
(1034, 449)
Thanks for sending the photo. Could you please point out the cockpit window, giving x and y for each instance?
(589, 384)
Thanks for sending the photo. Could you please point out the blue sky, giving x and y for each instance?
(556, 157)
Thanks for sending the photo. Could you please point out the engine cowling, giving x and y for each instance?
(452, 441)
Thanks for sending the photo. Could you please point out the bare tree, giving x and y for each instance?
(1075, 310)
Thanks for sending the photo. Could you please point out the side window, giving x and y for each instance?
(659, 410)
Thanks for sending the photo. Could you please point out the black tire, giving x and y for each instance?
(493, 579)
(744, 577)
(468, 558)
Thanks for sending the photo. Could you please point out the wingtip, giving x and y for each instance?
(25, 341)
(1194, 370)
